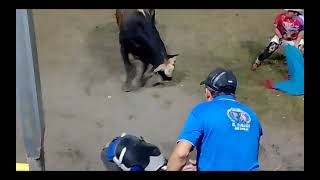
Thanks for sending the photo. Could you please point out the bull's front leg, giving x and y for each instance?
(153, 80)
(149, 72)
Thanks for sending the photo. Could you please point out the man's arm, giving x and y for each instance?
(187, 140)
(180, 155)
(277, 31)
(276, 25)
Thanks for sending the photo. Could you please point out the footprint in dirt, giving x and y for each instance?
(71, 152)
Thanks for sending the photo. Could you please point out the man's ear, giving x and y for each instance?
(209, 95)
(161, 67)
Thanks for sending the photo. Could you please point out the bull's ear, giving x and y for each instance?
(171, 56)
(161, 67)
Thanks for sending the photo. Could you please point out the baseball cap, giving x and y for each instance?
(221, 80)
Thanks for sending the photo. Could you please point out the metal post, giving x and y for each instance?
(28, 92)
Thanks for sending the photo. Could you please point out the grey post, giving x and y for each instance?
(29, 110)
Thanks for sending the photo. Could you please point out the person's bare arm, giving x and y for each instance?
(300, 36)
(179, 156)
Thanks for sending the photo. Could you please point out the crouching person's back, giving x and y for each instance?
(225, 133)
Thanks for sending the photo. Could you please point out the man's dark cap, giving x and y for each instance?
(221, 80)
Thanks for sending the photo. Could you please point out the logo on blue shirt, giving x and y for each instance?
(240, 119)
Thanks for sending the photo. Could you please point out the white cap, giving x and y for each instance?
(297, 10)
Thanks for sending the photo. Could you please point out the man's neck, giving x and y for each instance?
(228, 96)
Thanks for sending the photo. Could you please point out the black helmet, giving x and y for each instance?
(221, 80)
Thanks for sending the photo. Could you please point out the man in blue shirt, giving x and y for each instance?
(225, 132)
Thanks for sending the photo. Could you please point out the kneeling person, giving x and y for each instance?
(288, 28)
(130, 153)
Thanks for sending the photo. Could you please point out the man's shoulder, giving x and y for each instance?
(281, 16)
(204, 107)
(250, 111)
(246, 108)
(300, 19)
(201, 106)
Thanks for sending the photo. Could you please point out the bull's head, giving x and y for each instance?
(168, 66)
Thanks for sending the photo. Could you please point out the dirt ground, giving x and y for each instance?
(81, 76)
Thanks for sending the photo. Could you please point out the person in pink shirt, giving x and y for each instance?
(288, 29)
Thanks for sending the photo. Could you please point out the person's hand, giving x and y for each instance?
(297, 43)
(301, 48)
(190, 166)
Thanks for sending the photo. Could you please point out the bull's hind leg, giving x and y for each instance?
(139, 67)
(130, 70)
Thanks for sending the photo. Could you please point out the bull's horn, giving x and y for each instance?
(171, 56)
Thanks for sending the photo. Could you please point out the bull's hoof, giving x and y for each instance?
(152, 84)
(127, 87)
(154, 80)
(136, 86)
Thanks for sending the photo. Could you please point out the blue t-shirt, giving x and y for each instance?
(226, 135)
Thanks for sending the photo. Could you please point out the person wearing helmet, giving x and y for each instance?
(288, 28)
(225, 133)
(130, 153)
